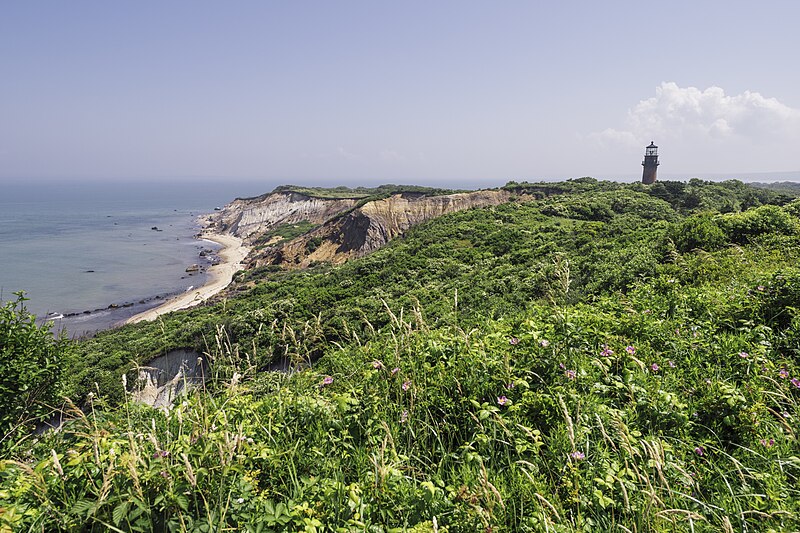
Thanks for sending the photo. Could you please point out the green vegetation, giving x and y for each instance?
(31, 361)
(284, 232)
(361, 192)
(590, 357)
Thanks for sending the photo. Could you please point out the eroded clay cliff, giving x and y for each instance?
(249, 218)
(340, 228)
(370, 226)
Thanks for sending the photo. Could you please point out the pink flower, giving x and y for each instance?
(502, 400)
(783, 373)
(544, 343)
(630, 349)
(577, 456)
(767, 443)
(406, 385)
(654, 367)
(796, 382)
(395, 370)
(700, 451)
(327, 381)
(671, 363)
(606, 351)
(377, 365)
(744, 355)
(509, 386)
(570, 374)
(513, 341)
(404, 416)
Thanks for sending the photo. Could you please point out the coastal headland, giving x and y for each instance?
(231, 255)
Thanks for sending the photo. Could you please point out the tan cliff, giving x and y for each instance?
(358, 231)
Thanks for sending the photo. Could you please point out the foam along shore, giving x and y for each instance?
(232, 254)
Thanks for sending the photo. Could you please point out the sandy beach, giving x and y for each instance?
(231, 255)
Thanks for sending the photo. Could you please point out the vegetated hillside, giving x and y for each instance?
(607, 357)
(785, 187)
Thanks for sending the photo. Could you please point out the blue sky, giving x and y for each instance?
(472, 93)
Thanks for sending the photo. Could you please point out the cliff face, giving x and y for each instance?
(250, 218)
(369, 227)
(341, 230)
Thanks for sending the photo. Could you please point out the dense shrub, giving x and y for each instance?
(31, 360)
(742, 227)
(699, 231)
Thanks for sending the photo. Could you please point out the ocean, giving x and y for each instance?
(90, 255)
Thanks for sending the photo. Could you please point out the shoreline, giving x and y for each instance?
(232, 254)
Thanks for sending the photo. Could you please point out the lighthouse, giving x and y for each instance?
(650, 164)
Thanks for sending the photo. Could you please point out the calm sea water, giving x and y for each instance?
(89, 250)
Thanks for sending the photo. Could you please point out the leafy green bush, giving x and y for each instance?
(31, 360)
(743, 227)
(699, 231)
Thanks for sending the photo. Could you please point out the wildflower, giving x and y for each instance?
(561, 366)
(760, 287)
(327, 381)
(406, 385)
(544, 343)
(708, 381)
(700, 451)
(630, 349)
(395, 370)
(404, 416)
(570, 374)
(783, 373)
(577, 456)
(377, 365)
(160, 453)
(796, 382)
(671, 363)
(509, 386)
(513, 341)
(164, 474)
(654, 367)
(767, 443)
(240, 501)
(606, 351)
(744, 355)
(502, 400)
(786, 414)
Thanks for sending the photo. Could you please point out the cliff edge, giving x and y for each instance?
(295, 230)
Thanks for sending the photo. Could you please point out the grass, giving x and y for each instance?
(600, 394)
(640, 413)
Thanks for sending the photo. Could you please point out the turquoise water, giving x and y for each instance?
(88, 251)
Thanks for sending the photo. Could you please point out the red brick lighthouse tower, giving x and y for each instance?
(650, 164)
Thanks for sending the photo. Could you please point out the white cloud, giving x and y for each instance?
(694, 115)
(345, 154)
(391, 156)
